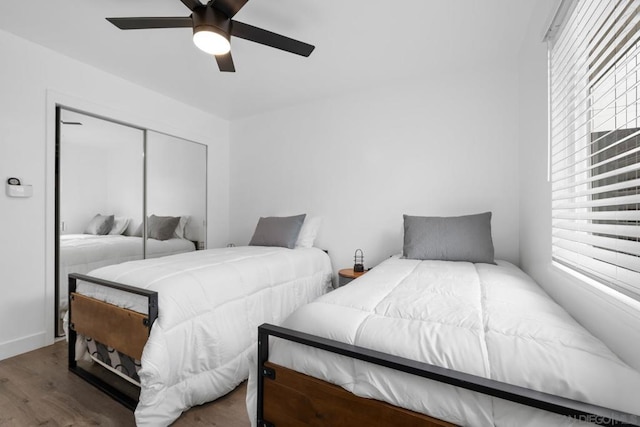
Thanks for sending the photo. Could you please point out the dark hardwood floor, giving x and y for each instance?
(36, 389)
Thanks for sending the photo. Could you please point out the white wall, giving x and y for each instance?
(615, 320)
(439, 146)
(32, 80)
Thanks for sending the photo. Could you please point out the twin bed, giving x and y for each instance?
(491, 328)
(418, 340)
(187, 323)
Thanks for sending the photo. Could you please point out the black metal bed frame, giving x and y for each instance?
(115, 393)
(548, 402)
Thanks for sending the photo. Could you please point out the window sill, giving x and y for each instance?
(600, 290)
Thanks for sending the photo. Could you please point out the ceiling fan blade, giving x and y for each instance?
(225, 62)
(145, 23)
(229, 7)
(191, 4)
(258, 35)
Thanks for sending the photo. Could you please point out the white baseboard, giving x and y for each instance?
(23, 345)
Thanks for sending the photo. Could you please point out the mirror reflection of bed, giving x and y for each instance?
(109, 175)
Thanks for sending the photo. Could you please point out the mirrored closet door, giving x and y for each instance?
(177, 185)
(123, 193)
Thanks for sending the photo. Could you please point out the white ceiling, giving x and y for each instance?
(359, 44)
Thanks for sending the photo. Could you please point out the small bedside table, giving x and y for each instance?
(347, 274)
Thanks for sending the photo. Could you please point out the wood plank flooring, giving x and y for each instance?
(36, 389)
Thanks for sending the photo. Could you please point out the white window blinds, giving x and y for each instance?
(594, 62)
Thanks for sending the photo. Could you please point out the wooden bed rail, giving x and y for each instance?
(548, 402)
(128, 332)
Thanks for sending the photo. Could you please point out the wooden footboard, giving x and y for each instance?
(294, 399)
(105, 323)
(121, 329)
(288, 398)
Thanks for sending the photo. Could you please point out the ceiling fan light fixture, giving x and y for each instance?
(211, 40)
(213, 25)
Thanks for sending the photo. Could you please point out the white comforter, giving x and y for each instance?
(486, 320)
(81, 253)
(210, 305)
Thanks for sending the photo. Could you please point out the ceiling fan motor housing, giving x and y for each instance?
(210, 19)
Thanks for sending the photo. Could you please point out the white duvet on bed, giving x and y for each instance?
(487, 320)
(81, 253)
(210, 305)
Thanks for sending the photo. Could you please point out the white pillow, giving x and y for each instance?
(120, 224)
(179, 233)
(309, 232)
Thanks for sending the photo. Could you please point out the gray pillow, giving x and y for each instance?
(277, 231)
(462, 238)
(100, 225)
(162, 227)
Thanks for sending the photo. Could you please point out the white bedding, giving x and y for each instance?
(487, 320)
(210, 305)
(81, 253)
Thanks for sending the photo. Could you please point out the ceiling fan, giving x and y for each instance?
(213, 27)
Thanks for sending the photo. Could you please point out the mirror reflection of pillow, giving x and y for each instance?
(120, 224)
(100, 225)
(179, 231)
(162, 227)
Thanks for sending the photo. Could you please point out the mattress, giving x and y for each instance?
(487, 320)
(81, 253)
(210, 305)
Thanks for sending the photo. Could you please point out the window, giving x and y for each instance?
(594, 61)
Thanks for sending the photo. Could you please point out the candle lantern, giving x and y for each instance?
(358, 261)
